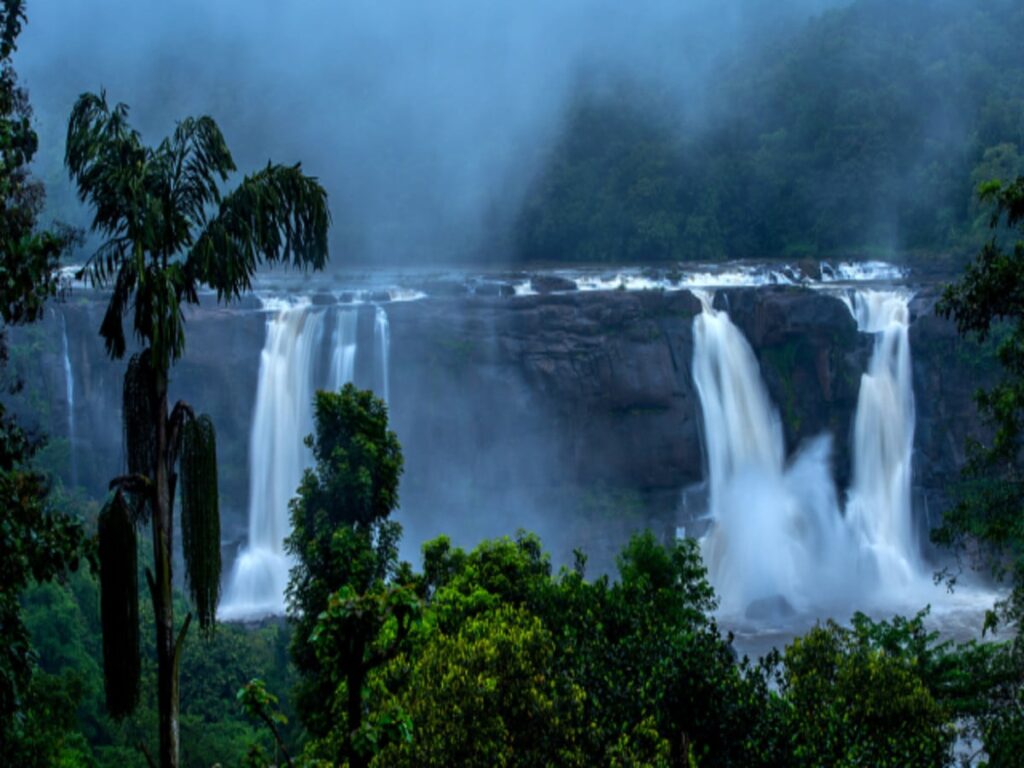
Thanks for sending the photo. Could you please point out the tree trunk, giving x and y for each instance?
(163, 604)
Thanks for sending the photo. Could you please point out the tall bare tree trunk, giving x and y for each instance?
(163, 604)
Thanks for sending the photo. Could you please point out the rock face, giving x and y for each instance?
(572, 414)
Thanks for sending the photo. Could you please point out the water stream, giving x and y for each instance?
(277, 457)
(69, 397)
(283, 417)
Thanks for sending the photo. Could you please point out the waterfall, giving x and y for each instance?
(69, 396)
(343, 348)
(879, 506)
(777, 541)
(277, 457)
(382, 341)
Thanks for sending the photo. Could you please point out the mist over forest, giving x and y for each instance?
(575, 131)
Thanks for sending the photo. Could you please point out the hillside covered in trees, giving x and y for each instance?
(865, 132)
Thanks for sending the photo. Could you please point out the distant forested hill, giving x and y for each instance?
(865, 133)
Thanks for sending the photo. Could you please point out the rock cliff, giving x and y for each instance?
(573, 414)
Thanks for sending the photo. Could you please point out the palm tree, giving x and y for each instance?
(169, 233)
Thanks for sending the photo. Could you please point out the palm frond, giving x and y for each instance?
(278, 215)
(200, 517)
(105, 158)
(201, 161)
(112, 327)
(119, 607)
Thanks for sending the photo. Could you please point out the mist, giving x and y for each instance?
(426, 122)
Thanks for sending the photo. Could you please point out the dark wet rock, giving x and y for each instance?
(494, 289)
(551, 284)
(811, 357)
(444, 288)
(323, 300)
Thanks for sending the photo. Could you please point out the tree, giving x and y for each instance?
(350, 609)
(989, 518)
(862, 696)
(169, 233)
(987, 522)
(640, 674)
(37, 542)
(487, 695)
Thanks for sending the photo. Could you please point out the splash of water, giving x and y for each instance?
(277, 457)
(777, 542)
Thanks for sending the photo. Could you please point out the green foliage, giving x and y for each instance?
(200, 517)
(988, 519)
(860, 696)
(635, 673)
(487, 696)
(29, 258)
(38, 543)
(119, 606)
(46, 733)
(987, 522)
(65, 629)
(260, 704)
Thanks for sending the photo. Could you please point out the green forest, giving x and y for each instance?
(866, 133)
(110, 650)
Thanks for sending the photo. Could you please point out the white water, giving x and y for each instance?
(779, 541)
(343, 348)
(861, 271)
(69, 397)
(382, 342)
(879, 505)
(277, 457)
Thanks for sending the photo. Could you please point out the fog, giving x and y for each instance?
(425, 121)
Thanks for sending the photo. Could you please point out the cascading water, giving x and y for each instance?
(879, 506)
(343, 348)
(777, 541)
(277, 457)
(69, 396)
(382, 340)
